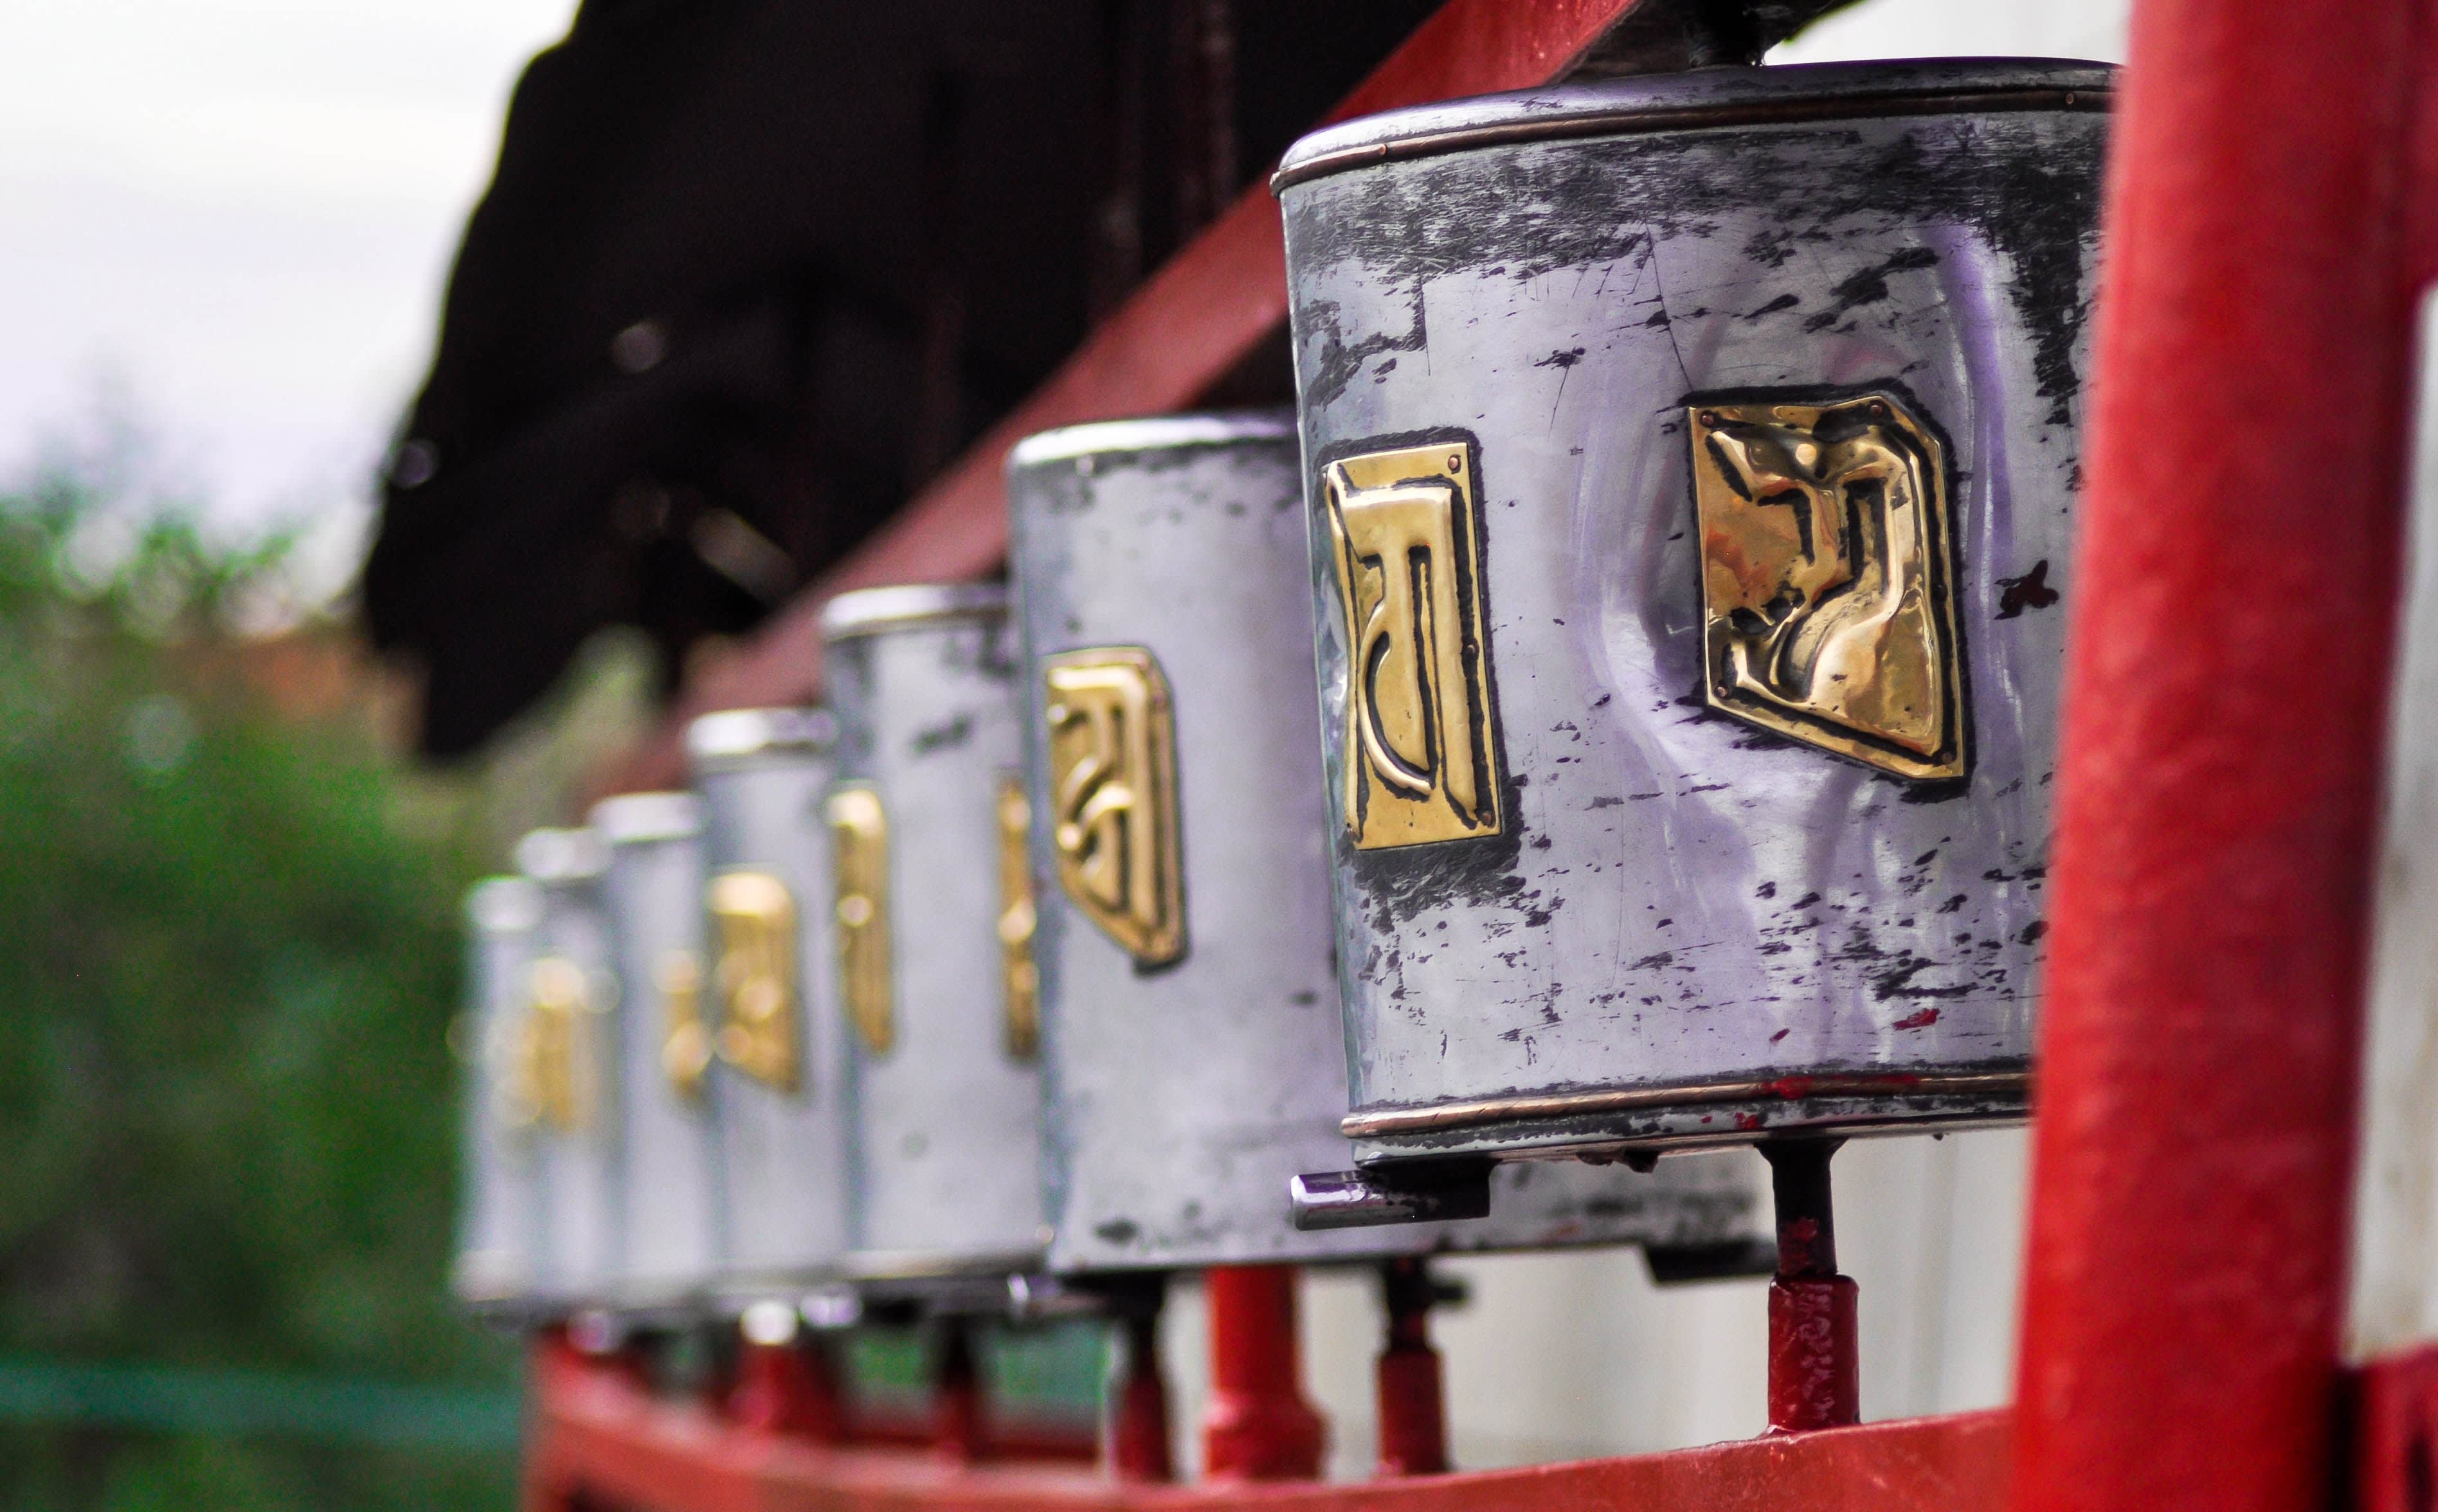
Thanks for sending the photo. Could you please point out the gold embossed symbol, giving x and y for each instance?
(1113, 777)
(859, 857)
(756, 975)
(685, 1043)
(1420, 757)
(1827, 578)
(558, 1046)
(1020, 979)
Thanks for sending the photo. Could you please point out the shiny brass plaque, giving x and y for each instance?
(1827, 579)
(685, 1044)
(511, 1057)
(1020, 979)
(859, 857)
(755, 916)
(1113, 777)
(558, 1048)
(1420, 757)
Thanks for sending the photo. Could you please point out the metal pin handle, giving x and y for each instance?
(1405, 1193)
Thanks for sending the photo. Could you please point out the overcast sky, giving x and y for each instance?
(238, 214)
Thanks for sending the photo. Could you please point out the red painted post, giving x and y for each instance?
(1816, 1373)
(787, 1388)
(2233, 603)
(1412, 1398)
(957, 1402)
(1257, 1425)
(1135, 1436)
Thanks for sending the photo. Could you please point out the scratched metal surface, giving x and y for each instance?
(1181, 1100)
(582, 1194)
(1677, 897)
(782, 1155)
(652, 896)
(497, 1215)
(946, 1125)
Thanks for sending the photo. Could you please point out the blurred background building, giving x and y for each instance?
(748, 275)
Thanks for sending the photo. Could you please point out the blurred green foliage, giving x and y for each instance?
(229, 956)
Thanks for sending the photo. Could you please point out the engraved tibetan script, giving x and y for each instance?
(1019, 980)
(1419, 753)
(559, 1072)
(1113, 782)
(1827, 578)
(859, 858)
(685, 1043)
(756, 975)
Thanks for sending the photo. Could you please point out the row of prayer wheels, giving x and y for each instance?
(1611, 718)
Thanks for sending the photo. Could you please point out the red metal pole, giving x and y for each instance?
(2232, 614)
(957, 1402)
(1135, 1445)
(1257, 1425)
(1816, 1373)
(1413, 1409)
(787, 1388)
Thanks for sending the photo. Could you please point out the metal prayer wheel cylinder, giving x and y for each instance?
(1193, 1054)
(571, 993)
(933, 932)
(1690, 468)
(498, 1218)
(651, 894)
(777, 1083)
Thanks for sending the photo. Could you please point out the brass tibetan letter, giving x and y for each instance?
(859, 854)
(558, 1048)
(1420, 755)
(1827, 579)
(1021, 981)
(685, 1045)
(1113, 777)
(757, 977)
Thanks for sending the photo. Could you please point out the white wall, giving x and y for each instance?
(2395, 1296)
(1965, 28)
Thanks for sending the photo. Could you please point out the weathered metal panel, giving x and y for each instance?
(946, 1148)
(498, 1217)
(571, 993)
(1700, 892)
(651, 895)
(781, 1138)
(1196, 1064)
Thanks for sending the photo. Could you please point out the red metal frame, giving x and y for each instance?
(2233, 603)
(2234, 615)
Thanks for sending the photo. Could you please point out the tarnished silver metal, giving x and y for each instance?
(498, 1211)
(1194, 1053)
(778, 1087)
(1690, 479)
(945, 1142)
(652, 894)
(571, 993)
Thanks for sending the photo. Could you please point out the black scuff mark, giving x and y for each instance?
(945, 737)
(2029, 592)
(1869, 286)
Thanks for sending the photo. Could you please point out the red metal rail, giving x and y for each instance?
(2219, 787)
(596, 1434)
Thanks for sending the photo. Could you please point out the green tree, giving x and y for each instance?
(229, 956)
